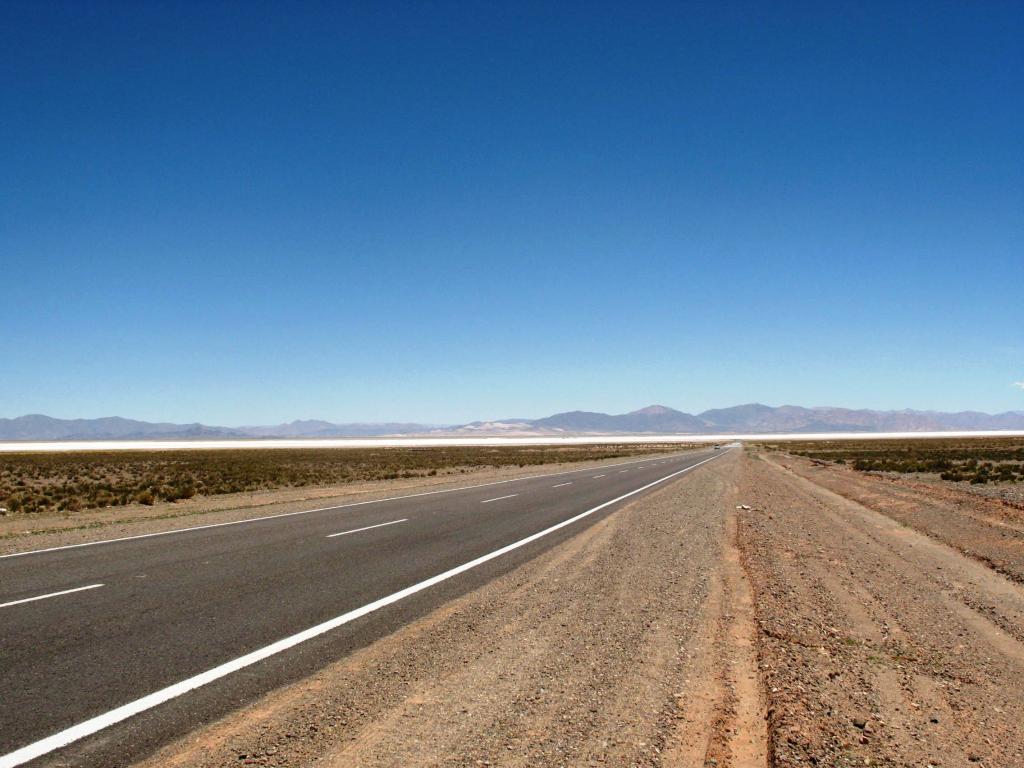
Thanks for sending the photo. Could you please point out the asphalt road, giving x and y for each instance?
(107, 651)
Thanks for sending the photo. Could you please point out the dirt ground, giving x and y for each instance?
(753, 613)
(1011, 494)
(989, 529)
(878, 643)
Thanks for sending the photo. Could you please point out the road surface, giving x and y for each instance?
(109, 650)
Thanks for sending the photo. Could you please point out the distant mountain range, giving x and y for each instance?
(39, 427)
(655, 419)
(752, 418)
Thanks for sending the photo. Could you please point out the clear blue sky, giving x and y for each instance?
(427, 211)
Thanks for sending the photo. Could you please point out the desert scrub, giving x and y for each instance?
(31, 483)
(973, 460)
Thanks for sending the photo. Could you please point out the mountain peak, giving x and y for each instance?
(653, 410)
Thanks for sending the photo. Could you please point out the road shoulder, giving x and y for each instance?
(587, 653)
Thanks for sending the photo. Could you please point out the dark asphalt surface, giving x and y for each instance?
(177, 605)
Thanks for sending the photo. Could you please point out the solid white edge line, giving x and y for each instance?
(357, 530)
(308, 511)
(51, 594)
(98, 723)
(499, 498)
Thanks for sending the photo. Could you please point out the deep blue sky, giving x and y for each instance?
(440, 212)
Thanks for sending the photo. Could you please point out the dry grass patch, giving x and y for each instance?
(36, 483)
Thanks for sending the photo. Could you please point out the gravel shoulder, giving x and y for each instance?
(890, 622)
(632, 643)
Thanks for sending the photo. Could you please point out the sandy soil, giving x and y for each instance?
(984, 528)
(21, 532)
(879, 644)
(1010, 494)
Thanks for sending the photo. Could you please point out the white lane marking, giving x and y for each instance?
(499, 498)
(307, 511)
(51, 594)
(561, 484)
(597, 476)
(624, 471)
(357, 530)
(98, 723)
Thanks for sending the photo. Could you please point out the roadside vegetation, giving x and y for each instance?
(972, 460)
(33, 483)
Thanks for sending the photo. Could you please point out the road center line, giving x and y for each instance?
(51, 594)
(499, 498)
(597, 476)
(357, 530)
(98, 723)
(561, 484)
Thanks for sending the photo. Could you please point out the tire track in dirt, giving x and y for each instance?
(723, 723)
(965, 582)
(984, 529)
(878, 645)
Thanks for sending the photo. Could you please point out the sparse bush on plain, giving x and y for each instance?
(32, 483)
(977, 461)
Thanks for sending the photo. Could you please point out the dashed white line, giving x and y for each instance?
(51, 594)
(561, 484)
(597, 476)
(499, 498)
(107, 719)
(624, 471)
(357, 530)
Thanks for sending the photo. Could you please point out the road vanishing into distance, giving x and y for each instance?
(109, 650)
